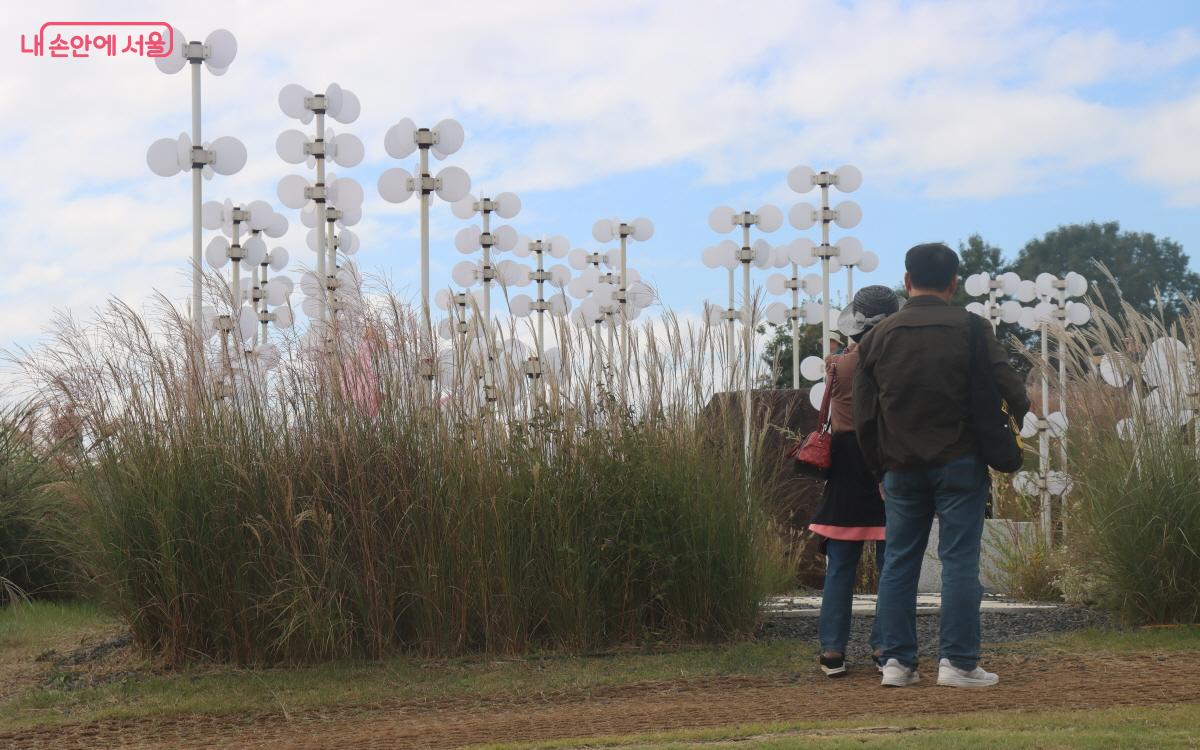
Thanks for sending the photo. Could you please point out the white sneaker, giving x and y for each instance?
(896, 674)
(951, 676)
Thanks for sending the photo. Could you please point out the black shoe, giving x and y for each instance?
(833, 667)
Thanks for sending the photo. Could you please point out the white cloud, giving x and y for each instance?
(943, 98)
(1173, 164)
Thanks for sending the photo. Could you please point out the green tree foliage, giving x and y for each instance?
(777, 353)
(1147, 269)
(976, 255)
(1141, 263)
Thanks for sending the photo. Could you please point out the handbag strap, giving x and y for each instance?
(979, 366)
(977, 371)
(972, 351)
(976, 335)
(824, 417)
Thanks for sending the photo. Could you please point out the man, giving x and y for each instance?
(912, 415)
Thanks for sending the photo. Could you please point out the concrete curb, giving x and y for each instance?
(809, 605)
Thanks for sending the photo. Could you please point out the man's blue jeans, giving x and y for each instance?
(837, 598)
(957, 493)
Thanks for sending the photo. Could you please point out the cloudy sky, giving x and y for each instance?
(1003, 118)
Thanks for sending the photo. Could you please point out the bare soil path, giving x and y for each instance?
(1028, 683)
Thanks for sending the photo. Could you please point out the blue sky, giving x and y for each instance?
(1002, 118)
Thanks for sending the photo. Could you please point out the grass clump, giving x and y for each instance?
(1023, 562)
(33, 559)
(336, 509)
(1132, 523)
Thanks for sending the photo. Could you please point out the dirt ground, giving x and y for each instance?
(1028, 683)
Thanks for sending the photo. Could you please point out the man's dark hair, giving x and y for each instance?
(931, 266)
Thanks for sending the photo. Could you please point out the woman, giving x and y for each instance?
(851, 510)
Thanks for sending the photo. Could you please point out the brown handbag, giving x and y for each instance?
(816, 449)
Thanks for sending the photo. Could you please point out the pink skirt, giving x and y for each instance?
(849, 533)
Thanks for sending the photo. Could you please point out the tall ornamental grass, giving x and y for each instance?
(33, 559)
(1133, 519)
(334, 508)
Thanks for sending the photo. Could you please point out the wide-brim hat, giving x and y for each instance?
(870, 306)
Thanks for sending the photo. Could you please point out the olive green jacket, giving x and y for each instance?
(911, 399)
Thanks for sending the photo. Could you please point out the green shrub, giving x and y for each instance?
(32, 562)
(1132, 526)
(1138, 520)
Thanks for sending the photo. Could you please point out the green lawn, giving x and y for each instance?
(140, 690)
(220, 689)
(34, 625)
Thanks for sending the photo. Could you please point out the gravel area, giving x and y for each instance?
(997, 627)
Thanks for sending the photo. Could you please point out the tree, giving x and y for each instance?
(777, 353)
(1139, 262)
(976, 256)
